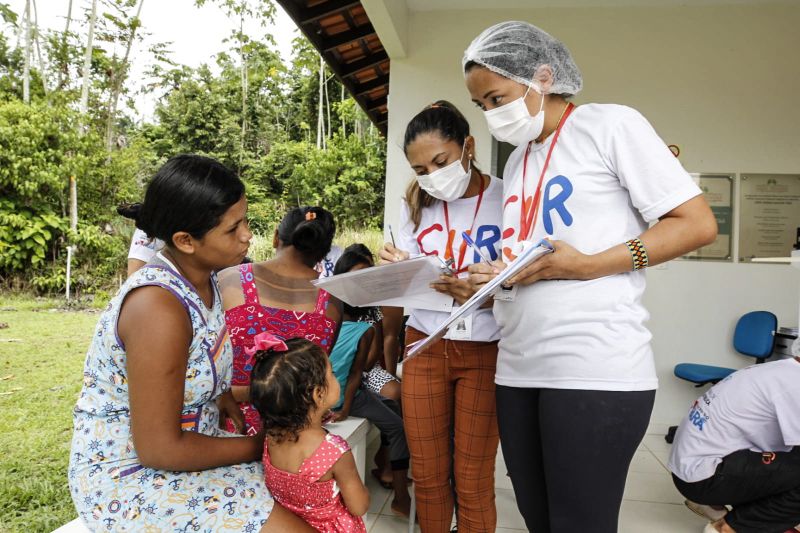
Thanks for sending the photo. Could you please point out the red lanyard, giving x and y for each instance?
(527, 212)
(450, 238)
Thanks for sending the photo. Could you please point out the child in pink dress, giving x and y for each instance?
(307, 470)
(277, 296)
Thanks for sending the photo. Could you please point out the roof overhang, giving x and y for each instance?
(345, 35)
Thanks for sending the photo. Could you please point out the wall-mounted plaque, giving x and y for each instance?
(718, 191)
(770, 214)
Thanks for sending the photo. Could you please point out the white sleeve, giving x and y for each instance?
(653, 176)
(405, 238)
(787, 411)
(142, 247)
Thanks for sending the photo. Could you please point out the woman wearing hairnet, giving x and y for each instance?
(575, 374)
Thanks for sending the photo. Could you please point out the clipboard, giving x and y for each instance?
(402, 284)
(530, 253)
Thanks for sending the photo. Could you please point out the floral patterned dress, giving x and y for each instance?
(111, 490)
(317, 502)
(251, 318)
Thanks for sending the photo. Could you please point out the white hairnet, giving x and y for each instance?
(517, 49)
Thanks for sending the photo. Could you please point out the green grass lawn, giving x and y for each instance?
(41, 364)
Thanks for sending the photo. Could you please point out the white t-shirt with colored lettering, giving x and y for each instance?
(609, 176)
(756, 408)
(328, 263)
(143, 247)
(431, 238)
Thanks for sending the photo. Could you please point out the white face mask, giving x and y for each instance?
(448, 183)
(512, 123)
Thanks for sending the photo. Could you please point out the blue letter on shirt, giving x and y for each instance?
(486, 237)
(557, 203)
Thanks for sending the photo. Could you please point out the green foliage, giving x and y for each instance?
(252, 111)
(346, 179)
(98, 257)
(25, 236)
(40, 150)
(38, 153)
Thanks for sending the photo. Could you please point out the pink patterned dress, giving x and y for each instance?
(317, 502)
(247, 320)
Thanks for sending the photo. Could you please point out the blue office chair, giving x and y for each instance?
(754, 336)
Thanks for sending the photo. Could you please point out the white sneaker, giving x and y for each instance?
(710, 528)
(706, 511)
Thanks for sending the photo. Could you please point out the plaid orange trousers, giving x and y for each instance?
(451, 428)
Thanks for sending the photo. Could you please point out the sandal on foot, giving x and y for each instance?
(706, 511)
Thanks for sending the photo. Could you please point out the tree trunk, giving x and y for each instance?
(244, 86)
(26, 72)
(42, 67)
(320, 103)
(73, 225)
(328, 107)
(343, 118)
(118, 79)
(84, 109)
(64, 68)
(87, 61)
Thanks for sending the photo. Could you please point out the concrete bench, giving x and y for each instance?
(354, 430)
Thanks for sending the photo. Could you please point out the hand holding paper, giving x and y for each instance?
(529, 254)
(397, 284)
(482, 273)
(458, 288)
(566, 263)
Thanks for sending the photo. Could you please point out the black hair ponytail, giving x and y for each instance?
(310, 230)
(188, 193)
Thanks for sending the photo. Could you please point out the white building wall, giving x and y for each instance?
(721, 82)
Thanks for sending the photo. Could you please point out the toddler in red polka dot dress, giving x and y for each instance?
(308, 471)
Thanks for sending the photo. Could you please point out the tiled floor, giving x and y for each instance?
(651, 504)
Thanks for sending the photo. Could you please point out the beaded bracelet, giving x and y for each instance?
(638, 253)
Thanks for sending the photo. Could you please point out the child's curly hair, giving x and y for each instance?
(282, 385)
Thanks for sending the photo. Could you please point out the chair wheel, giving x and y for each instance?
(670, 436)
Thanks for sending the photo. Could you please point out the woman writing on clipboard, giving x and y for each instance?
(449, 388)
(575, 373)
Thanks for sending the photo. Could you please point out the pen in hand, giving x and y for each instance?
(396, 257)
(474, 246)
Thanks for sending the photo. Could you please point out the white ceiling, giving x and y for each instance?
(440, 5)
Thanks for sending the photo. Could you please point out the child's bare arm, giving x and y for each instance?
(354, 377)
(376, 348)
(354, 493)
(392, 323)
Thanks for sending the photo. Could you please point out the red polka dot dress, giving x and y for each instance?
(317, 502)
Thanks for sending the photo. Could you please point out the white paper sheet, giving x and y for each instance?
(402, 284)
(529, 254)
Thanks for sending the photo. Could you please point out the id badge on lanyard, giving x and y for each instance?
(461, 330)
(506, 294)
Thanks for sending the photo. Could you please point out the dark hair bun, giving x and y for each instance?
(306, 237)
(310, 230)
(134, 212)
(130, 211)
